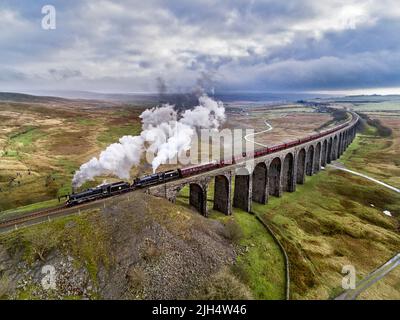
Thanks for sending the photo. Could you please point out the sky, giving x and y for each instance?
(226, 45)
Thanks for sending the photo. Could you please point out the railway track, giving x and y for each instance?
(42, 215)
(30, 216)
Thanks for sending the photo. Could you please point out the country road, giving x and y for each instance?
(366, 177)
(257, 133)
(383, 270)
(372, 278)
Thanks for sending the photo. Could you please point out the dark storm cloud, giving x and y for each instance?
(11, 75)
(356, 71)
(124, 45)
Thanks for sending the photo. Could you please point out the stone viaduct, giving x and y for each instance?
(262, 177)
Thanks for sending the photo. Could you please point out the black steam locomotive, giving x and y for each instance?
(156, 178)
(99, 192)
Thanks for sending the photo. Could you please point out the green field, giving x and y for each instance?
(328, 223)
(378, 157)
(379, 106)
(41, 146)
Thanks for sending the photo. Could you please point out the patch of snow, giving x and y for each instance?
(388, 213)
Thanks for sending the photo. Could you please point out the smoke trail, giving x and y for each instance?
(208, 115)
(171, 139)
(117, 159)
(164, 134)
(156, 116)
(178, 139)
(161, 87)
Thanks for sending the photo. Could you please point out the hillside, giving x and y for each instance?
(141, 248)
(21, 97)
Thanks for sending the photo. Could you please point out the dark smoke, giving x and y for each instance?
(161, 88)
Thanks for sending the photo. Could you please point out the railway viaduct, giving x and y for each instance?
(262, 177)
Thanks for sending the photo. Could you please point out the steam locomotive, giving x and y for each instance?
(102, 191)
(108, 190)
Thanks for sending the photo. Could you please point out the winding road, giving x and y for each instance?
(246, 137)
(383, 270)
(366, 177)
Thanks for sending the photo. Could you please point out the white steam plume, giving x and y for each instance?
(164, 135)
(117, 159)
(177, 141)
(156, 116)
(208, 115)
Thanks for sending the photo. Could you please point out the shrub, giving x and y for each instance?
(224, 286)
(136, 278)
(376, 123)
(41, 242)
(233, 231)
(4, 287)
(151, 252)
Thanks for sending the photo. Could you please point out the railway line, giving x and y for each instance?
(46, 214)
(143, 183)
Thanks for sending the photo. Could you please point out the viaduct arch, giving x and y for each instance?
(288, 178)
(274, 177)
(310, 161)
(260, 183)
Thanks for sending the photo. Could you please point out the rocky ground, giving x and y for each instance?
(139, 248)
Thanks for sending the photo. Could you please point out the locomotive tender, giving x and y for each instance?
(108, 190)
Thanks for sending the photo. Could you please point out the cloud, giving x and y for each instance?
(241, 45)
(64, 74)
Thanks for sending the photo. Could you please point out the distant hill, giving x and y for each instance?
(182, 100)
(21, 97)
(368, 98)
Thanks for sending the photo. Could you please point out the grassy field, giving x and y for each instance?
(333, 220)
(379, 106)
(386, 289)
(41, 146)
(377, 156)
(329, 223)
(85, 241)
(10, 213)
